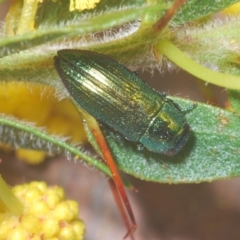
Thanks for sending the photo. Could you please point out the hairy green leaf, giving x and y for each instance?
(22, 134)
(58, 11)
(234, 99)
(13, 44)
(211, 153)
(194, 9)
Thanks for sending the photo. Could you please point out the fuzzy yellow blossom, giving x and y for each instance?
(46, 215)
(38, 104)
(233, 9)
(81, 5)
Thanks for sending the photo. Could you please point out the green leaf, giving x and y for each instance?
(23, 134)
(234, 99)
(194, 9)
(13, 44)
(58, 11)
(211, 153)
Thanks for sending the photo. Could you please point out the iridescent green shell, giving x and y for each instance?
(118, 98)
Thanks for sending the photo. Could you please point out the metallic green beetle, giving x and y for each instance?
(118, 98)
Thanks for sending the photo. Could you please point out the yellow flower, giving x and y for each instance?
(38, 104)
(81, 5)
(46, 215)
(233, 9)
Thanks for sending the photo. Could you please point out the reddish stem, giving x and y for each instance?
(119, 202)
(166, 18)
(117, 184)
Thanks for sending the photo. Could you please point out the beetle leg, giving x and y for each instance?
(189, 109)
(185, 110)
(140, 147)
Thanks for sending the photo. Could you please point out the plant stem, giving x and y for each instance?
(168, 49)
(8, 198)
